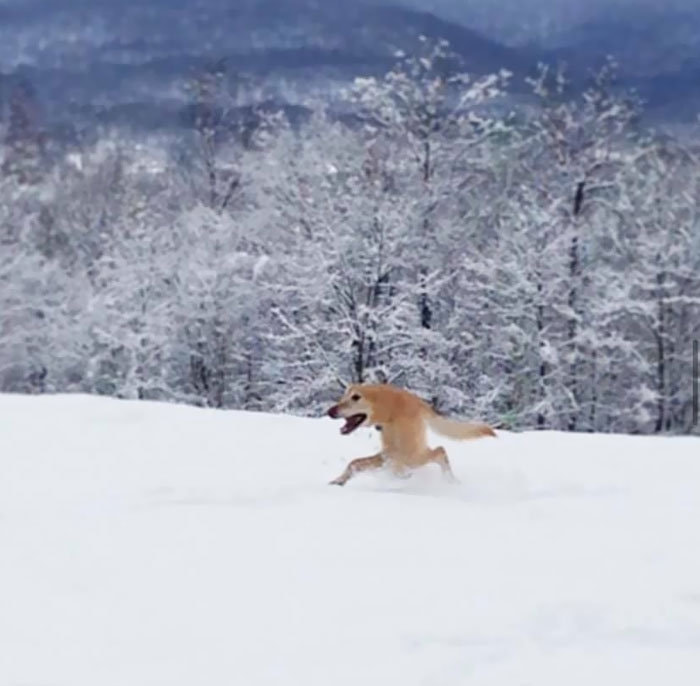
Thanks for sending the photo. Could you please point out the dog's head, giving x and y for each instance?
(354, 407)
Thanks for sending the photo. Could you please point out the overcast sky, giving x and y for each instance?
(536, 18)
(513, 21)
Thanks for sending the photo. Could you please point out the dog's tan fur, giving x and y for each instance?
(402, 419)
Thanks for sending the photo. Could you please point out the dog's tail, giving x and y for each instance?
(455, 429)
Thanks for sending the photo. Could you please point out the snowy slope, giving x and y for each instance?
(147, 545)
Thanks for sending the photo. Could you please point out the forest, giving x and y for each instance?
(529, 260)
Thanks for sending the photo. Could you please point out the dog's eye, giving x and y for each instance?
(355, 397)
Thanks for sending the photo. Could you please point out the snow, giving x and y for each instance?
(145, 544)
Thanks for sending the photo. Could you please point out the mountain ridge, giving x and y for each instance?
(94, 57)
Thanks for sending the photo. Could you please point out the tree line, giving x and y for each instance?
(529, 260)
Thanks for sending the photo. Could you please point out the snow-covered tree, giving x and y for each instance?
(538, 270)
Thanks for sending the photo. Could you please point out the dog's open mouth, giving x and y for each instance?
(352, 422)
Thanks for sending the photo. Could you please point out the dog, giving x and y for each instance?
(402, 419)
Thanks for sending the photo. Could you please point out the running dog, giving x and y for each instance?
(402, 418)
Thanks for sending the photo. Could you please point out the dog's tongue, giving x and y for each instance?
(351, 423)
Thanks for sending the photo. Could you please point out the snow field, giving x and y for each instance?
(145, 544)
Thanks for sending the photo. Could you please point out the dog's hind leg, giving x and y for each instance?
(439, 455)
(361, 464)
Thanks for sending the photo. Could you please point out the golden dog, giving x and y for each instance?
(403, 419)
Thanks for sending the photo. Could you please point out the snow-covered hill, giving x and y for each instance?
(147, 545)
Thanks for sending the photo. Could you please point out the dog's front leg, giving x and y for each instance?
(361, 464)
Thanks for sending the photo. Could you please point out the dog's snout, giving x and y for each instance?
(333, 412)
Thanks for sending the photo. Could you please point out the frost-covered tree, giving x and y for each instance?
(537, 270)
(573, 159)
(432, 109)
(658, 278)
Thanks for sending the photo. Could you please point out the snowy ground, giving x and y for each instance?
(148, 545)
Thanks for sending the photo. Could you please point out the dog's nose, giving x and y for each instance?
(333, 412)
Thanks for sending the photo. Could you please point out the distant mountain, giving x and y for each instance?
(106, 60)
(658, 52)
(95, 61)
